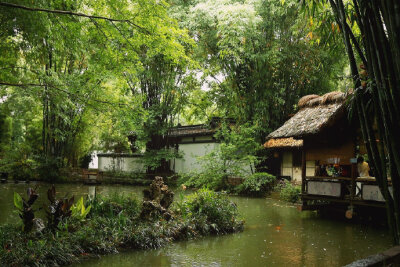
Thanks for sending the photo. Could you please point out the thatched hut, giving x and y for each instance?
(317, 147)
(320, 122)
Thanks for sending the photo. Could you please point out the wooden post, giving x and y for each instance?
(353, 181)
(303, 171)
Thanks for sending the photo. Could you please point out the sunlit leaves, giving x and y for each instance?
(266, 53)
(18, 202)
(77, 68)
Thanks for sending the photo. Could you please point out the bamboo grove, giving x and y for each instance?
(82, 70)
(371, 35)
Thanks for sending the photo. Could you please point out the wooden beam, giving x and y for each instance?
(70, 13)
(341, 200)
(353, 181)
(303, 171)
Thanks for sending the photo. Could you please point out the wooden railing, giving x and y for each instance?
(357, 190)
(91, 175)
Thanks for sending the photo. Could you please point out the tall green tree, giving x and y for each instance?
(259, 57)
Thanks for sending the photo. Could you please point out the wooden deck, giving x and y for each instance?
(357, 191)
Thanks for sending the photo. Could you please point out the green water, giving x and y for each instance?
(275, 234)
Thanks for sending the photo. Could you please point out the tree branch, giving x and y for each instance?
(61, 90)
(70, 13)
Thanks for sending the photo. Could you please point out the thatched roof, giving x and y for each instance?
(315, 114)
(192, 130)
(283, 142)
(315, 100)
(200, 129)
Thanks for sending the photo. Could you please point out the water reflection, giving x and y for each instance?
(275, 234)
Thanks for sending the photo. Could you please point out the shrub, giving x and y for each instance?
(209, 178)
(48, 169)
(212, 211)
(258, 184)
(290, 192)
(114, 223)
(17, 164)
(19, 170)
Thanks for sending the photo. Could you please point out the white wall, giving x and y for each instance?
(189, 161)
(125, 164)
(94, 163)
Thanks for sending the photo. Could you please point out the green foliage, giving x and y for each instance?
(17, 165)
(86, 84)
(235, 156)
(289, 192)
(113, 206)
(113, 223)
(258, 184)
(48, 169)
(85, 161)
(214, 212)
(153, 159)
(79, 210)
(5, 130)
(238, 145)
(80, 83)
(212, 173)
(18, 201)
(258, 59)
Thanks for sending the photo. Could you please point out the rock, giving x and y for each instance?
(156, 200)
(38, 225)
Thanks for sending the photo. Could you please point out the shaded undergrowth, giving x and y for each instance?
(114, 223)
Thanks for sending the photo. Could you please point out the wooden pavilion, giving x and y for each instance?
(318, 149)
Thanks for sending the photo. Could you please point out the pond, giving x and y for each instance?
(275, 234)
